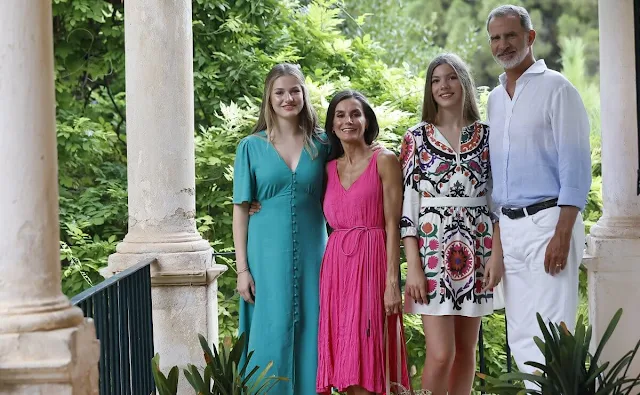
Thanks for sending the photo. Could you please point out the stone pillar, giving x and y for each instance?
(161, 179)
(46, 346)
(613, 247)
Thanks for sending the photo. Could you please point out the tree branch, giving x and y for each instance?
(115, 106)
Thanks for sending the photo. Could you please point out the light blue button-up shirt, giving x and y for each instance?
(539, 141)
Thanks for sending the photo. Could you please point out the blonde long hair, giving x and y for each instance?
(307, 119)
(469, 105)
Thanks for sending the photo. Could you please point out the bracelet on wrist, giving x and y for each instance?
(246, 269)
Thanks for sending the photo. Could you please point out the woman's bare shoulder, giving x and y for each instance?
(387, 160)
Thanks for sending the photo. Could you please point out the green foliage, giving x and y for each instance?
(89, 65)
(225, 373)
(416, 351)
(569, 368)
(83, 259)
(165, 385)
(412, 32)
(93, 211)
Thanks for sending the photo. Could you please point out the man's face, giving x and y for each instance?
(510, 42)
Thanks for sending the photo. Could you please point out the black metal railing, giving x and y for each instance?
(482, 362)
(121, 310)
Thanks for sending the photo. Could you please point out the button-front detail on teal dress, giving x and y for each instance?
(285, 244)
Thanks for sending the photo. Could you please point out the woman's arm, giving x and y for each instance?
(246, 286)
(416, 285)
(494, 269)
(391, 176)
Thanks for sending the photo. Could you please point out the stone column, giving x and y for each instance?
(161, 179)
(46, 346)
(613, 247)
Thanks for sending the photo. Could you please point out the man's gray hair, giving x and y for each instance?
(511, 10)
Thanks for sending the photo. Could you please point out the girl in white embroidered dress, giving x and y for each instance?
(446, 226)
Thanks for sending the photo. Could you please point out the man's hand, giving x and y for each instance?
(555, 257)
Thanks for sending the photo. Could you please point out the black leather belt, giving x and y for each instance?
(515, 213)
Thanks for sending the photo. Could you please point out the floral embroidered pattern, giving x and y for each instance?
(459, 260)
(455, 242)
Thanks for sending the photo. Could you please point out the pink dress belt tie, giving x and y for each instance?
(361, 230)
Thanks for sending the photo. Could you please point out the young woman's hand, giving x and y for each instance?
(416, 285)
(493, 272)
(246, 287)
(392, 298)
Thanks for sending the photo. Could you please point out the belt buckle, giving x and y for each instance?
(508, 212)
(514, 213)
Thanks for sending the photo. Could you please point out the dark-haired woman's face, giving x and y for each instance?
(349, 121)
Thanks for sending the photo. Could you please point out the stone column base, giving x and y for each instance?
(57, 362)
(614, 282)
(182, 310)
(167, 265)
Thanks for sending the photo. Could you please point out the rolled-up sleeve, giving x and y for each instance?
(570, 124)
(411, 195)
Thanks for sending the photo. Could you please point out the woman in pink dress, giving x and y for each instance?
(359, 289)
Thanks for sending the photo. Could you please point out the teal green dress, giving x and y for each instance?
(285, 244)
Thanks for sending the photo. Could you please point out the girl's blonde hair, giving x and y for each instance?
(469, 105)
(307, 119)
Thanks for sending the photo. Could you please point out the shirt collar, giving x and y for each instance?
(538, 67)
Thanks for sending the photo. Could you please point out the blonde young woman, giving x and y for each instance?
(279, 249)
(452, 247)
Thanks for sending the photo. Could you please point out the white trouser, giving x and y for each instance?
(528, 289)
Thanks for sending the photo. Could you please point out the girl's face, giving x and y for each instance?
(446, 87)
(287, 98)
(349, 121)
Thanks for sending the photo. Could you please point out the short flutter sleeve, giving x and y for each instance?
(244, 181)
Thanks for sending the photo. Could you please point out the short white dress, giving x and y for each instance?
(446, 208)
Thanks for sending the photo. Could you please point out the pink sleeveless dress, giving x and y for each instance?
(351, 337)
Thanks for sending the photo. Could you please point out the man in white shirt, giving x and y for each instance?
(541, 168)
